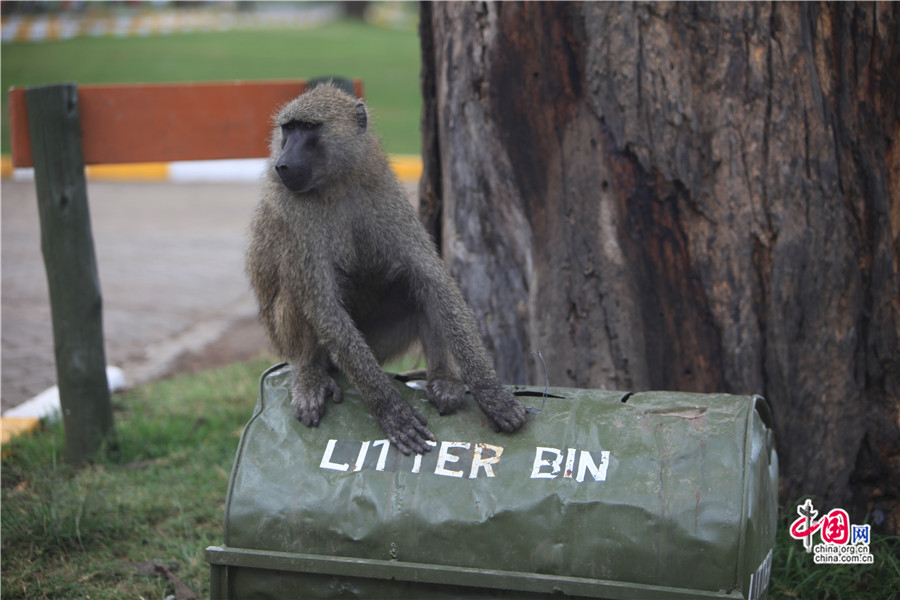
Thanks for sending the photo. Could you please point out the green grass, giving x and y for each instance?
(795, 575)
(387, 61)
(158, 495)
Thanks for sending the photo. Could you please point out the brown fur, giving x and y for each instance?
(347, 277)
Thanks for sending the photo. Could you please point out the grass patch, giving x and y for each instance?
(388, 62)
(796, 576)
(158, 494)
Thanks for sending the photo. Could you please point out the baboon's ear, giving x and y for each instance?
(361, 119)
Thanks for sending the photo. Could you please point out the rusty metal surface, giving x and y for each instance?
(628, 495)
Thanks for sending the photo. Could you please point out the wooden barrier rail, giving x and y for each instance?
(168, 122)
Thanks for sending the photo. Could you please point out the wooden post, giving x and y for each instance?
(68, 248)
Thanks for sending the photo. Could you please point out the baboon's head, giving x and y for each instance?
(317, 136)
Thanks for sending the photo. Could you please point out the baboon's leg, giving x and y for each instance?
(453, 321)
(444, 388)
(310, 387)
(311, 384)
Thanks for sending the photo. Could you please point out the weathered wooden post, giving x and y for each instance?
(67, 245)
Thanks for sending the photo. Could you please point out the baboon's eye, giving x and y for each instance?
(305, 125)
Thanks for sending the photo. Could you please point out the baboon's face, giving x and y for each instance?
(317, 137)
(302, 155)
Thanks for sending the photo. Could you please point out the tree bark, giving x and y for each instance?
(700, 197)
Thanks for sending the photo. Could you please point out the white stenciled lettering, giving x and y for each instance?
(463, 460)
(586, 463)
(570, 463)
(759, 580)
(326, 458)
(537, 471)
(417, 461)
(479, 461)
(382, 457)
(445, 457)
(548, 464)
(361, 457)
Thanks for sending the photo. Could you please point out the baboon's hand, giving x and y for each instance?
(403, 425)
(445, 394)
(309, 390)
(503, 409)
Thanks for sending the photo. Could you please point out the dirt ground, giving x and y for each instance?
(245, 340)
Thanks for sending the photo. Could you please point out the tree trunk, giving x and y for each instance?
(700, 197)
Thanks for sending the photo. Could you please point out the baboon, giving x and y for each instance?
(347, 277)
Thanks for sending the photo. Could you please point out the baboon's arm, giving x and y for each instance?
(345, 343)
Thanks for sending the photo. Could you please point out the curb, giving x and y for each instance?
(27, 417)
(408, 168)
(11, 427)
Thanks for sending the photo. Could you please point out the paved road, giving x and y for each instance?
(170, 258)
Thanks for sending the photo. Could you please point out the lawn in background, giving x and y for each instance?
(387, 61)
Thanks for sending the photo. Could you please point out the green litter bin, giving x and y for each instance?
(602, 495)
